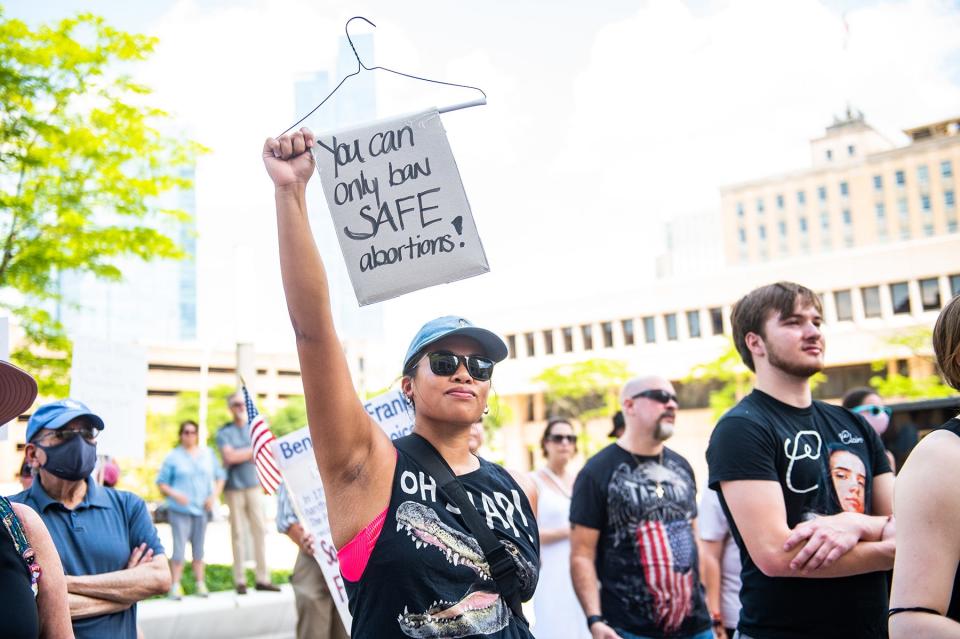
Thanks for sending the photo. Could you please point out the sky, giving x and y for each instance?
(603, 120)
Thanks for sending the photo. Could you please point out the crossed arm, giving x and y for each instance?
(825, 547)
(144, 576)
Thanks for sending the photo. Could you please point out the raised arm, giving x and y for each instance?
(834, 546)
(928, 549)
(355, 457)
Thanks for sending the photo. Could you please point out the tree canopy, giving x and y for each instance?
(83, 161)
(584, 390)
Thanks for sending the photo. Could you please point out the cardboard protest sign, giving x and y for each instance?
(294, 455)
(398, 206)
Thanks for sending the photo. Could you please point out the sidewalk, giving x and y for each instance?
(259, 615)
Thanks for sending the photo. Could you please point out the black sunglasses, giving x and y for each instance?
(63, 435)
(657, 395)
(446, 364)
(559, 439)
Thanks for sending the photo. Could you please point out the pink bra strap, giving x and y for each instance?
(356, 553)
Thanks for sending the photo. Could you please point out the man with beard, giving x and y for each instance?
(633, 558)
(810, 569)
(110, 550)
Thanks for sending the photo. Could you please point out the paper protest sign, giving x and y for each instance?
(398, 206)
(111, 379)
(294, 455)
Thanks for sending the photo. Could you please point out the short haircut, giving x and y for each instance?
(753, 309)
(946, 342)
(855, 396)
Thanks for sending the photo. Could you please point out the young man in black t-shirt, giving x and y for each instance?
(806, 485)
(633, 554)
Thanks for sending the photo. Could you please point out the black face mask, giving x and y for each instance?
(72, 460)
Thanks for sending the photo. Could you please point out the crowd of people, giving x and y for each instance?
(797, 535)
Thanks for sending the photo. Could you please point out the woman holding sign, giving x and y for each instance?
(414, 564)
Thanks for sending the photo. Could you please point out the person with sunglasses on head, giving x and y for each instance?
(555, 603)
(411, 562)
(867, 403)
(805, 485)
(925, 598)
(634, 556)
(192, 479)
(109, 547)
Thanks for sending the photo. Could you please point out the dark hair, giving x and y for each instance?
(25, 469)
(546, 432)
(855, 396)
(946, 342)
(619, 423)
(753, 309)
(188, 422)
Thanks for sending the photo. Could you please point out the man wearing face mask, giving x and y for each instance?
(634, 558)
(110, 550)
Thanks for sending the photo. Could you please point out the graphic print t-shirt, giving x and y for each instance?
(427, 577)
(646, 554)
(824, 458)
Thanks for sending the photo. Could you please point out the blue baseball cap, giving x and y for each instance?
(437, 329)
(56, 415)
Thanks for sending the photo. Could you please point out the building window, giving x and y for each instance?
(693, 323)
(671, 321)
(925, 203)
(847, 217)
(851, 150)
(955, 285)
(782, 226)
(802, 222)
(900, 179)
(900, 298)
(923, 176)
(844, 303)
(930, 294)
(946, 169)
(548, 342)
(628, 337)
(881, 212)
(829, 154)
(528, 338)
(739, 209)
(716, 320)
(649, 330)
(825, 221)
(567, 332)
(511, 346)
(844, 189)
(822, 193)
(759, 206)
(780, 201)
(801, 198)
(871, 301)
(948, 199)
(762, 232)
(607, 328)
(586, 331)
(877, 182)
(742, 235)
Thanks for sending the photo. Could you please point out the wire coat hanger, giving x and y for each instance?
(361, 66)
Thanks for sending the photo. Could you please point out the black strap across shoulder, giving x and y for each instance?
(502, 567)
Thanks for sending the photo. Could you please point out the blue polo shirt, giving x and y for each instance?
(96, 537)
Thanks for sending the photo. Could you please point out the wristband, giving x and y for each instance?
(592, 619)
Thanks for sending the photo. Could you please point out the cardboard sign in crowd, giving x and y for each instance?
(294, 455)
(398, 206)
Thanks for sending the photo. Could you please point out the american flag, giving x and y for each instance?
(667, 555)
(262, 437)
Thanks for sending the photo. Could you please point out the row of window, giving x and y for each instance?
(930, 298)
(645, 332)
(899, 177)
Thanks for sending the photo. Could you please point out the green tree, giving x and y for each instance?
(728, 371)
(584, 390)
(894, 385)
(82, 163)
(291, 417)
(218, 413)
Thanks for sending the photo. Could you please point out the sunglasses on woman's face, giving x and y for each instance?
(445, 364)
(873, 409)
(559, 439)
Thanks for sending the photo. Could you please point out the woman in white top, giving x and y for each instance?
(558, 613)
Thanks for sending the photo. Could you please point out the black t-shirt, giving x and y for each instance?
(647, 553)
(825, 458)
(427, 577)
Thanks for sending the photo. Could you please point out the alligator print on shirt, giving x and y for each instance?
(481, 610)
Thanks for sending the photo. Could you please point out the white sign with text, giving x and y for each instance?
(294, 455)
(398, 205)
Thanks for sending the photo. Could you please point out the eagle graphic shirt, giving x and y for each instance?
(825, 459)
(647, 560)
(427, 576)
